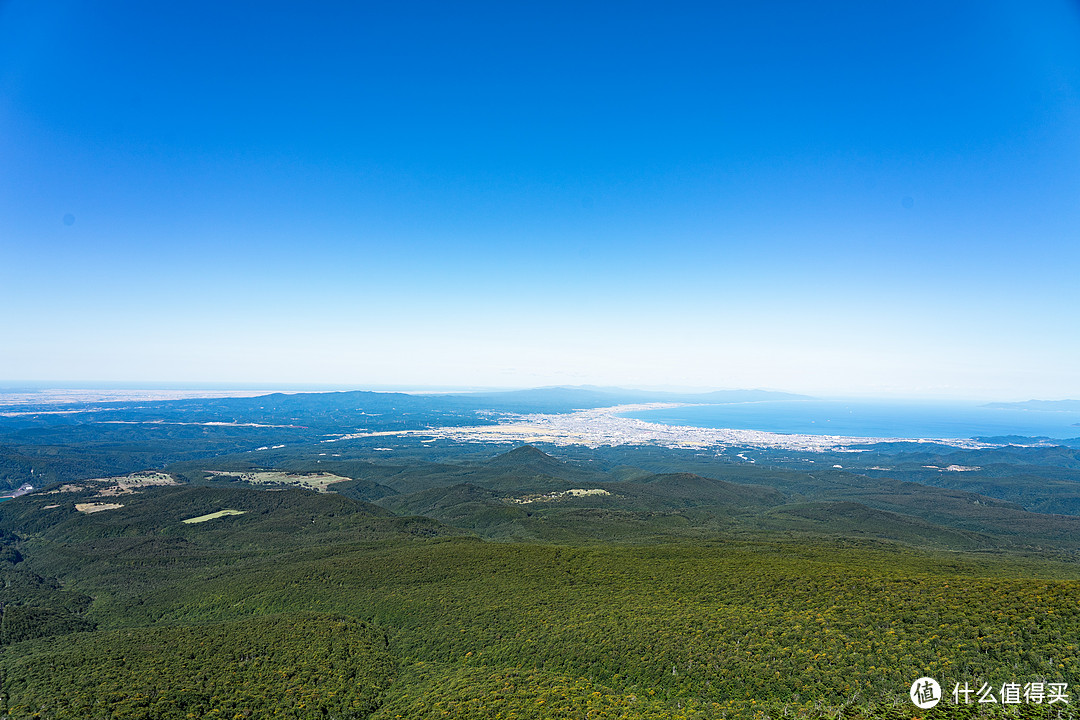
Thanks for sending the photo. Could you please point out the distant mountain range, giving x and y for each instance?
(593, 395)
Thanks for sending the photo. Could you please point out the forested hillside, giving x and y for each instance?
(313, 605)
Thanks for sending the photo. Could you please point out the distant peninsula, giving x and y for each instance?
(1044, 405)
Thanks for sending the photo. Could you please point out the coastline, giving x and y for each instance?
(607, 426)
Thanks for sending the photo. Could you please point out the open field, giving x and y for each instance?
(111, 486)
(213, 516)
(89, 508)
(314, 481)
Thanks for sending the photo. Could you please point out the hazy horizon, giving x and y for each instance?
(839, 200)
(10, 387)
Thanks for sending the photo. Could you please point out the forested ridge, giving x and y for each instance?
(314, 605)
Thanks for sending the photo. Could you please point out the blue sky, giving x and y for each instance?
(833, 198)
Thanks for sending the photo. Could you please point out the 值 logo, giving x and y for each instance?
(925, 693)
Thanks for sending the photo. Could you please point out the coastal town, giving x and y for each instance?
(608, 426)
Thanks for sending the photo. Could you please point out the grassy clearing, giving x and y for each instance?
(120, 484)
(213, 516)
(313, 481)
(96, 507)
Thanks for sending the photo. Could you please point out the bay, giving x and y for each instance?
(872, 419)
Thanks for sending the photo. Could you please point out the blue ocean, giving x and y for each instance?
(873, 419)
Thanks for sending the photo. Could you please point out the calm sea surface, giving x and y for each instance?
(872, 419)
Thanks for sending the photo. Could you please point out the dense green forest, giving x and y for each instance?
(472, 581)
(313, 605)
